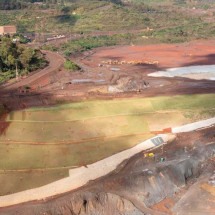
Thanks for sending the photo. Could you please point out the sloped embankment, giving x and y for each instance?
(136, 186)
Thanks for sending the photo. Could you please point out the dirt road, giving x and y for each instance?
(55, 63)
(50, 84)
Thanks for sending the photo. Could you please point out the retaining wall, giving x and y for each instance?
(194, 126)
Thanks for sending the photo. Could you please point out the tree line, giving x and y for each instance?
(17, 59)
(13, 4)
(21, 4)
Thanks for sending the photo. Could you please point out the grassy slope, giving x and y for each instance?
(82, 122)
(169, 24)
(91, 120)
(100, 15)
(56, 156)
(84, 110)
(98, 127)
(88, 16)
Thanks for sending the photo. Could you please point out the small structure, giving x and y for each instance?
(8, 29)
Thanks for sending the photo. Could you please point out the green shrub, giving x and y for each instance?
(80, 45)
(69, 65)
(14, 56)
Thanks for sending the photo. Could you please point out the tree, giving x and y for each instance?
(26, 57)
(16, 58)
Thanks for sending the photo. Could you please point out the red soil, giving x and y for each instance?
(53, 83)
(168, 55)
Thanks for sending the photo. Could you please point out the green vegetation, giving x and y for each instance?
(171, 20)
(88, 120)
(21, 4)
(16, 59)
(100, 109)
(11, 4)
(49, 141)
(80, 45)
(47, 163)
(185, 33)
(95, 15)
(20, 38)
(69, 65)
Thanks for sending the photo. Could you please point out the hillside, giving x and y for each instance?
(107, 107)
(96, 23)
(89, 16)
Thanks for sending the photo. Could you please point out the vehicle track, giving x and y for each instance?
(55, 63)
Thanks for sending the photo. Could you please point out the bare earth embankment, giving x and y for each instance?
(56, 139)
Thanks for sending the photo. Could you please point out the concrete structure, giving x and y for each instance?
(9, 29)
(194, 126)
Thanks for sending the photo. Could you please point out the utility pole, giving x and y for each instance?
(17, 74)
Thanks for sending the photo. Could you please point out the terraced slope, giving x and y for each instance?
(41, 144)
